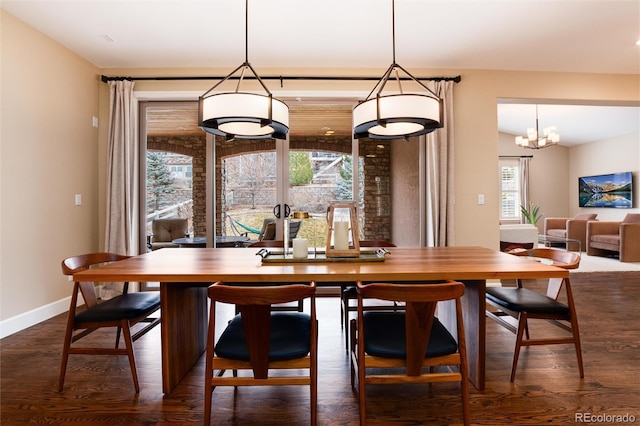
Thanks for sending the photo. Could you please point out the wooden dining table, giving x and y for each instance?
(185, 274)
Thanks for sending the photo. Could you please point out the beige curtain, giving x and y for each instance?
(437, 153)
(524, 184)
(122, 173)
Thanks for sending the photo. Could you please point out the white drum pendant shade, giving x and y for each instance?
(397, 116)
(244, 116)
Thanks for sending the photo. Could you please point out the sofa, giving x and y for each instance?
(608, 238)
(569, 228)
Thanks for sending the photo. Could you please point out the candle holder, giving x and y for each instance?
(342, 227)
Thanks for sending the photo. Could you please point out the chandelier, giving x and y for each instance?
(243, 115)
(534, 140)
(397, 115)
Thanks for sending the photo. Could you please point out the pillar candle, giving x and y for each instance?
(300, 248)
(341, 235)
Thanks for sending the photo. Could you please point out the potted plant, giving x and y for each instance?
(531, 214)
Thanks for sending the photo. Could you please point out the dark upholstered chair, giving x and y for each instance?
(268, 231)
(121, 312)
(574, 229)
(409, 346)
(164, 231)
(524, 305)
(258, 340)
(348, 293)
(610, 238)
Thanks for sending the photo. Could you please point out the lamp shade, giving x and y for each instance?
(244, 116)
(397, 116)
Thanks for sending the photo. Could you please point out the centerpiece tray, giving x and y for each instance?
(277, 256)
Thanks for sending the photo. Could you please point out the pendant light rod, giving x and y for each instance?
(397, 115)
(244, 115)
(394, 67)
(393, 29)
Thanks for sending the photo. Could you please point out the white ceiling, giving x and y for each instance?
(532, 35)
(576, 124)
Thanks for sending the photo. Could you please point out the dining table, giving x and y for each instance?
(184, 276)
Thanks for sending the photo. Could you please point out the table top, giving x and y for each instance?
(243, 265)
(555, 239)
(190, 240)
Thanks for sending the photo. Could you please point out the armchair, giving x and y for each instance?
(574, 229)
(268, 231)
(164, 231)
(606, 238)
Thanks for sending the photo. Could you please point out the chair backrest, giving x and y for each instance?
(376, 243)
(561, 258)
(254, 303)
(268, 231)
(165, 230)
(268, 243)
(586, 216)
(631, 218)
(82, 262)
(420, 306)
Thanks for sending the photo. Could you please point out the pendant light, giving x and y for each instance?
(243, 115)
(535, 140)
(398, 115)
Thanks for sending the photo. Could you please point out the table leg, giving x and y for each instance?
(473, 313)
(183, 307)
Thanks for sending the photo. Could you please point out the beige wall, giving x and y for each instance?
(48, 153)
(621, 154)
(549, 176)
(49, 158)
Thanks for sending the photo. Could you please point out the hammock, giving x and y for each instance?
(242, 225)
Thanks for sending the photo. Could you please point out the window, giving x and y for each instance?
(509, 189)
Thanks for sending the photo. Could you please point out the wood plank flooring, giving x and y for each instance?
(547, 390)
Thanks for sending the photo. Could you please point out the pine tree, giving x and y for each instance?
(159, 179)
(300, 169)
(345, 184)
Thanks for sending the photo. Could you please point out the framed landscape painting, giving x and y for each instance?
(613, 190)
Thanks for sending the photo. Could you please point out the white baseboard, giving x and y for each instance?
(33, 317)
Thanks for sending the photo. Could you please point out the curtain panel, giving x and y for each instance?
(122, 173)
(437, 162)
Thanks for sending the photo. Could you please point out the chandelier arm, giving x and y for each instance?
(417, 81)
(398, 80)
(223, 80)
(258, 78)
(241, 78)
(381, 83)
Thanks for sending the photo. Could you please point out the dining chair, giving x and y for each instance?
(122, 312)
(299, 305)
(410, 346)
(523, 304)
(257, 340)
(348, 293)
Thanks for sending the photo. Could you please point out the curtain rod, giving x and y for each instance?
(105, 78)
(515, 156)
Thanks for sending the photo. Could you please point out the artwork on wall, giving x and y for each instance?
(612, 190)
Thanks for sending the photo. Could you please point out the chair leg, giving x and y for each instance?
(345, 319)
(576, 338)
(65, 356)
(353, 344)
(128, 341)
(314, 390)
(343, 323)
(118, 331)
(522, 324)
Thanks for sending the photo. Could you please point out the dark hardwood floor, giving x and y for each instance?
(547, 390)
